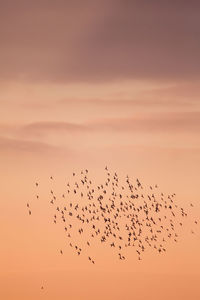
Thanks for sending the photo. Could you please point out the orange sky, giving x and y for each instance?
(84, 84)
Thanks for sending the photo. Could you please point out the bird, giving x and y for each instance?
(118, 213)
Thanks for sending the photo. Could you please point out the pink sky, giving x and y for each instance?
(84, 84)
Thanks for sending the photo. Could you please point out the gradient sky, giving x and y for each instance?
(84, 84)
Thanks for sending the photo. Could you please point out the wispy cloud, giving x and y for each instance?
(16, 145)
(157, 122)
(179, 122)
(39, 128)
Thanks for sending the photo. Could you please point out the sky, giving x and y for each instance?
(85, 84)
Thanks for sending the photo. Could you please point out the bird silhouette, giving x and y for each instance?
(120, 213)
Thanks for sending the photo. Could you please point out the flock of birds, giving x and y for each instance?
(120, 215)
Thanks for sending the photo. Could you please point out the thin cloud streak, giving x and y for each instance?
(157, 122)
(18, 145)
(140, 123)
